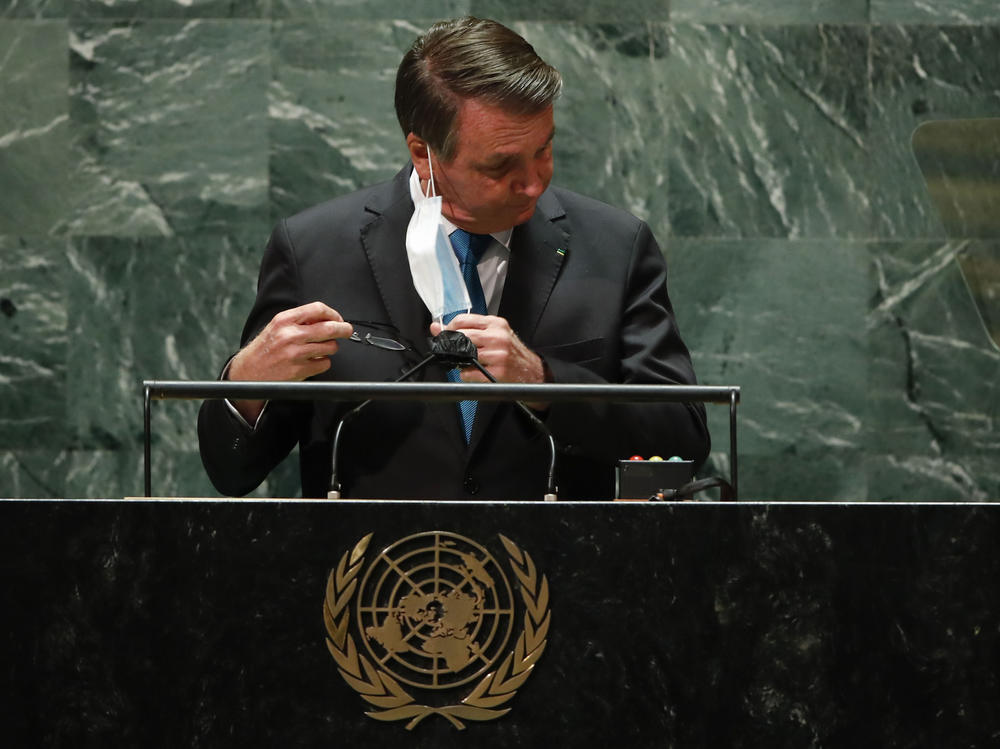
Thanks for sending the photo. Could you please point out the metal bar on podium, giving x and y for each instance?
(436, 391)
(734, 397)
(147, 442)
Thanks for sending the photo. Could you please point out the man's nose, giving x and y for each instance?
(531, 181)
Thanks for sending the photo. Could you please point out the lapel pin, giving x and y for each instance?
(560, 251)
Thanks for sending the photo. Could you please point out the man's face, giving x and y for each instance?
(501, 165)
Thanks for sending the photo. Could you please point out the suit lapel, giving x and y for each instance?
(537, 250)
(384, 240)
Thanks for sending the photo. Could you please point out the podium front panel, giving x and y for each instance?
(217, 623)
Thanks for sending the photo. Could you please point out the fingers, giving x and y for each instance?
(473, 326)
(470, 321)
(294, 345)
(311, 323)
(307, 341)
(498, 349)
(485, 331)
(493, 340)
(310, 313)
(320, 332)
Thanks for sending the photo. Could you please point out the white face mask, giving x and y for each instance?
(433, 265)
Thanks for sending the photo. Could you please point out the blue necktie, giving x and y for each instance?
(469, 249)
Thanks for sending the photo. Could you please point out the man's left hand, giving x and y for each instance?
(500, 351)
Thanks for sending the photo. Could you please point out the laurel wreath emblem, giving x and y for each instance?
(391, 700)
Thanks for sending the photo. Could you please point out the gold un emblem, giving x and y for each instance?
(435, 613)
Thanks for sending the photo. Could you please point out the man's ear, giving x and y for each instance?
(419, 156)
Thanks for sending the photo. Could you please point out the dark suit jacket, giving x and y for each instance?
(586, 290)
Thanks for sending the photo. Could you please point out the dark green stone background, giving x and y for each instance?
(146, 148)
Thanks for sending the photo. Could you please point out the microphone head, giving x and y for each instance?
(453, 347)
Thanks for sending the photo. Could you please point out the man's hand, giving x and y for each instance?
(295, 345)
(499, 350)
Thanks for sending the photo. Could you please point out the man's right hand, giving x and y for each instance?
(295, 345)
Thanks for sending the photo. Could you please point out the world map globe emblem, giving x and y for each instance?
(435, 610)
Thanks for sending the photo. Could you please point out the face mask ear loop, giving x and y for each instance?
(430, 185)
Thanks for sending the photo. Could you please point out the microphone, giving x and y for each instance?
(453, 349)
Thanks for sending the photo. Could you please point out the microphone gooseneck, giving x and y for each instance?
(453, 348)
(551, 491)
(334, 491)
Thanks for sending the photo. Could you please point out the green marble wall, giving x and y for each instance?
(147, 147)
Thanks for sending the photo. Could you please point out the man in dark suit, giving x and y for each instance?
(572, 290)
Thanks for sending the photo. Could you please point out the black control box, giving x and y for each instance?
(640, 479)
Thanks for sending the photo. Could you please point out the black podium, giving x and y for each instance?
(218, 623)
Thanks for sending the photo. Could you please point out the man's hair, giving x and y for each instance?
(468, 58)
